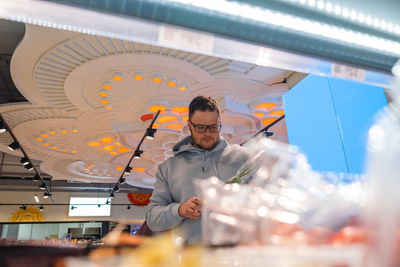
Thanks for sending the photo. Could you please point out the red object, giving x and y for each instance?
(146, 117)
(139, 198)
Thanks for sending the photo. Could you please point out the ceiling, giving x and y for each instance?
(91, 99)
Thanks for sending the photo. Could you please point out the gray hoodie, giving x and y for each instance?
(175, 183)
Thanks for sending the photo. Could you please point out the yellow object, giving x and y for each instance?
(52, 132)
(157, 79)
(180, 109)
(105, 101)
(39, 139)
(94, 143)
(174, 126)
(103, 94)
(106, 139)
(165, 119)
(109, 147)
(156, 108)
(44, 135)
(277, 113)
(266, 105)
(31, 214)
(259, 114)
(123, 149)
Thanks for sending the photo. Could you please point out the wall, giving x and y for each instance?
(60, 213)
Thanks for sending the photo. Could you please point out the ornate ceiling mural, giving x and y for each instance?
(93, 97)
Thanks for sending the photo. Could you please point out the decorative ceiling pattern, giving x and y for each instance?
(93, 97)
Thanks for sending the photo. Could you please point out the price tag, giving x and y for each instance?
(185, 39)
(349, 73)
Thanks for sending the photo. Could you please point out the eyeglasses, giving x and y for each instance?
(215, 128)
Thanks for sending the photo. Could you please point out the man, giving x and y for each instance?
(201, 155)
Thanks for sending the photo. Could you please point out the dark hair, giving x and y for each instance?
(203, 103)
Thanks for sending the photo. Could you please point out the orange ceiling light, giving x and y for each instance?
(182, 87)
(45, 144)
(185, 118)
(107, 85)
(39, 139)
(265, 106)
(277, 113)
(123, 149)
(113, 153)
(74, 130)
(157, 78)
(155, 108)
(267, 121)
(118, 168)
(63, 130)
(140, 169)
(54, 147)
(109, 147)
(73, 151)
(259, 114)
(64, 150)
(94, 144)
(174, 126)
(103, 93)
(107, 139)
(117, 76)
(105, 100)
(108, 107)
(52, 132)
(147, 117)
(180, 109)
(138, 76)
(156, 125)
(171, 82)
(117, 143)
(165, 119)
(45, 135)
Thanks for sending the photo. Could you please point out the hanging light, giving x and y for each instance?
(127, 170)
(28, 166)
(128, 207)
(23, 207)
(116, 189)
(41, 208)
(122, 180)
(150, 133)
(137, 154)
(3, 127)
(13, 146)
(46, 195)
(24, 161)
(36, 178)
(36, 198)
(112, 195)
(42, 186)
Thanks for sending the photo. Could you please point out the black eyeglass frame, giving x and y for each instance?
(208, 127)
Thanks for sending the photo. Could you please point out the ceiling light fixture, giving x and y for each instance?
(24, 161)
(103, 92)
(112, 195)
(41, 208)
(36, 178)
(28, 166)
(182, 87)
(117, 76)
(116, 189)
(157, 78)
(150, 133)
(105, 100)
(171, 82)
(3, 127)
(107, 85)
(138, 76)
(122, 180)
(137, 154)
(127, 170)
(42, 186)
(36, 198)
(13, 146)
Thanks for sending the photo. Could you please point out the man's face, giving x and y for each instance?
(200, 120)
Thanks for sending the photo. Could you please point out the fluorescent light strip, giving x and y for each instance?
(299, 24)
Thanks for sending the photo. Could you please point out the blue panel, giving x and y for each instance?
(355, 105)
(312, 125)
(328, 119)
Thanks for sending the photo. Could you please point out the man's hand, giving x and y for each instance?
(191, 208)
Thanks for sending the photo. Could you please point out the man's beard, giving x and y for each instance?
(201, 146)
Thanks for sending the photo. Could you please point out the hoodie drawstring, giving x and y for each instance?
(215, 166)
(203, 162)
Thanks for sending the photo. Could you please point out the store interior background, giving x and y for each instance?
(51, 82)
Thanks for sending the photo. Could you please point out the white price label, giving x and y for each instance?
(349, 73)
(185, 39)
